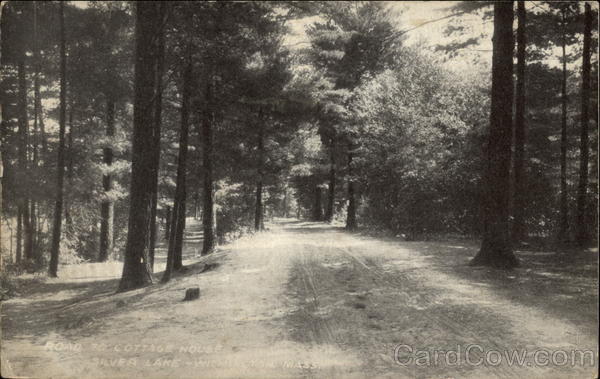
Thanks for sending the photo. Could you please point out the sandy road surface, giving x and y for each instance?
(301, 300)
(398, 302)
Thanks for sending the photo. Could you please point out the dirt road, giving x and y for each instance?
(310, 300)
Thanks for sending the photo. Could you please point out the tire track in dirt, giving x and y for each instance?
(427, 301)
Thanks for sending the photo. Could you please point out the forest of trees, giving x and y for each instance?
(121, 119)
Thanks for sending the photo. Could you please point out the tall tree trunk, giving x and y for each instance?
(137, 271)
(331, 193)
(178, 260)
(168, 216)
(19, 237)
(518, 227)
(39, 118)
(582, 235)
(22, 160)
(2, 157)
(563, 231)
(1, 184)
(496, 248)
(33, 225)
(285, 201)
(58, 208)
(33, 213)
(68, 218)
(36, 135)
(35, 140)
(157, 122)
(258, 211)
(351, 213)
(171, 252)
(174, 252)
(207, 166)
(107, 208)
(317, 207)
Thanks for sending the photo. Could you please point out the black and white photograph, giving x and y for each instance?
(299, 189)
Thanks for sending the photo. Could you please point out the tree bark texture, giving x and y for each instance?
(177, 225)
(58, 207)
(137, 271)
(518, 227)
(207, 168)
(496, 248)
(582, 232)
(563, 231)
(107, 207)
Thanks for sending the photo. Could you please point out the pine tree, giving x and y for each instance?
(582, 236)
(496, 248)
(58, 208)
(355, 42)
(177, 223)
(518, 227)
(149, 26)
